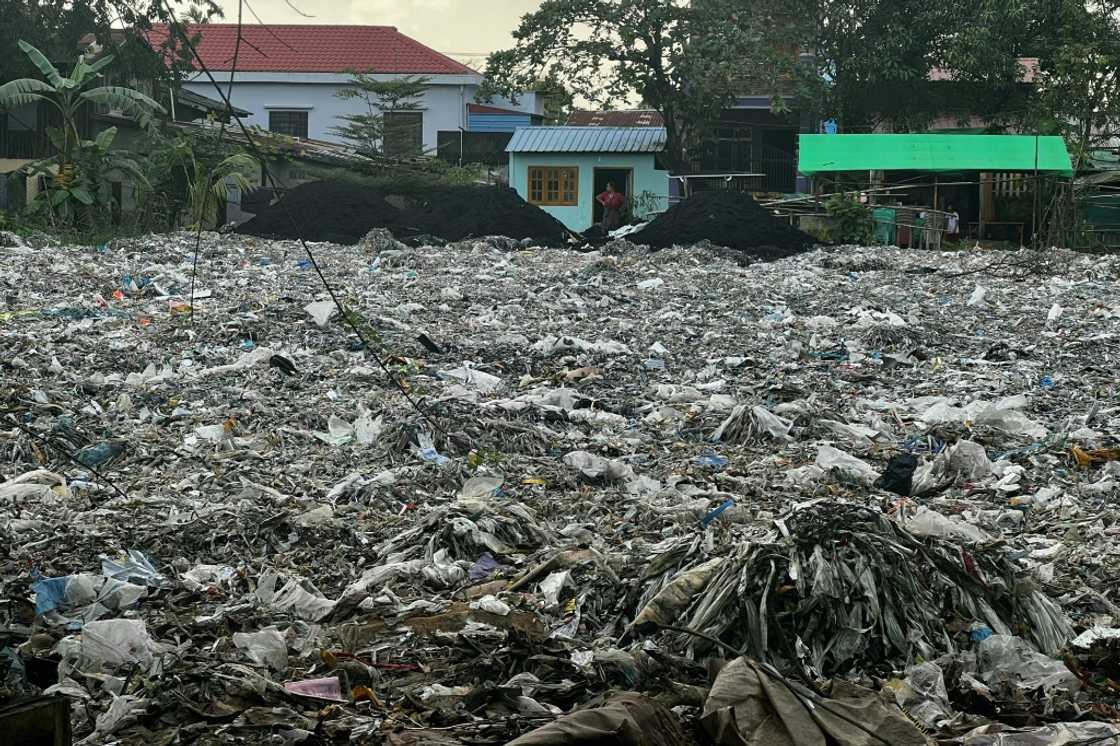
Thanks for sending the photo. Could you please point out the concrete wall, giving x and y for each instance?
(646, 178)
(444, 103)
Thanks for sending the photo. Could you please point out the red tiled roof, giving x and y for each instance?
(630, 118)
(315, 49)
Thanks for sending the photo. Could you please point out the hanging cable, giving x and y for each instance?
(221, 135)
(174, 27)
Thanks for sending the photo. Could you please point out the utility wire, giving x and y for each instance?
(221, 137)
(176, 27)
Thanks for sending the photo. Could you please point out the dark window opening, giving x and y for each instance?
(404, 133)
(292, 123)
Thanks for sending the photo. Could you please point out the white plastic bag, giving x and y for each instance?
(969, 460)
(476, 492)
(1005, 658)
(597, 467)
(926, 522)
(978, 296)
(303, 603)
(113, 642)
(265, 648)
(845, 466)
(480, 381)
(321, 311)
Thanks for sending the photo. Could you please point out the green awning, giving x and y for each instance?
(932, 153)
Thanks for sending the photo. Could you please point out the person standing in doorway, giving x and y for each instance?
(953, 230)
(612, 202)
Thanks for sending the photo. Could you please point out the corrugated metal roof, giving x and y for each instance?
(588, 140)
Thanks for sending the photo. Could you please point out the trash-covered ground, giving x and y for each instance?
(854, 496)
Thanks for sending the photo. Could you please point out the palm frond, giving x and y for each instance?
(123, 163)
(23, 91)
(84, 71)
(105, 138)
(100, 65)
(132, 103)
(82, 195)
(238, 163)
(43, 165)
(50, 72)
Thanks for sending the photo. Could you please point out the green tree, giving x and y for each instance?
(558, 100)
(685, 58)
(80, 163)
(60, 27)
(199, 14)
(1079, 79)
(54, 26)
(867, 63)
(387, 127)
(209, 188)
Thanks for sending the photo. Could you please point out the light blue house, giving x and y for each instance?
(562, 169)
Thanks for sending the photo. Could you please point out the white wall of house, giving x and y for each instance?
(444, 103)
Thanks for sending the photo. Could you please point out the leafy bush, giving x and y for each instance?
(853, 222)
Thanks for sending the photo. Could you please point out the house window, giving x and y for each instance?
(733, 148)
(292, 123)
(554, 185)
(404, 133)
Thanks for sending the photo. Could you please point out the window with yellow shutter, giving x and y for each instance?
(554, 185)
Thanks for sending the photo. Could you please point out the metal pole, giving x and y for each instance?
(980, 220)
(1034, 218)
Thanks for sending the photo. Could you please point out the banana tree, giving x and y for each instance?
(95, 160)
(69, 94)
(208, 185)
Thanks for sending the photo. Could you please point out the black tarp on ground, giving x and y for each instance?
(726, 218)
(343, 213)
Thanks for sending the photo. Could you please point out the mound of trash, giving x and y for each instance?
(844, 586)
(730, 219)
(343, 213)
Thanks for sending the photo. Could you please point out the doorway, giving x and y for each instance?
(622, 179)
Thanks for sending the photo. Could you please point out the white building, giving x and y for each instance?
(288, 77)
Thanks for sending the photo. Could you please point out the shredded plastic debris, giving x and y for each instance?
(839, 479)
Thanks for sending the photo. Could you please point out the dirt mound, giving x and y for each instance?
(324, 211)
(730, 219)
(343, 213)
(456, 213)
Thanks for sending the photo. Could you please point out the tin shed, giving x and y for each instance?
(561, 169)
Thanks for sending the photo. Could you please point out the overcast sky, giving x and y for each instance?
(465, 29)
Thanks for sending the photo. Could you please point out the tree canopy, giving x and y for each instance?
(377, 131)
(57, 28)
(868, 62)
(686, 59)
(864, 63)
